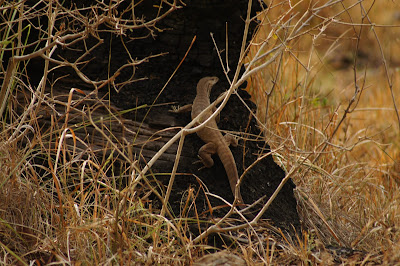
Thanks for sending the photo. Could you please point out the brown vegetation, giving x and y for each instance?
(325, 78)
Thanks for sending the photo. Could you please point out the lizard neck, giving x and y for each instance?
(202, 99)
(203, 91)
(204, 86)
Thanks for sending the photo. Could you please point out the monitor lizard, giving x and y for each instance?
(210, 134)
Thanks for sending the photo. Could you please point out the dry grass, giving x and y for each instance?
(332, 127)
(339, 121)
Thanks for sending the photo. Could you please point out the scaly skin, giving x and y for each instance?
(215, 142)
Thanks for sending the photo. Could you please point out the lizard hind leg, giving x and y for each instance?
(205, 153)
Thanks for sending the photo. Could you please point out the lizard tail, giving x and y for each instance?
(228, 161)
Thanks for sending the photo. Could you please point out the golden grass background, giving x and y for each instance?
(355, 181)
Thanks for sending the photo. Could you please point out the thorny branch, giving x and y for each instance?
(67, 28)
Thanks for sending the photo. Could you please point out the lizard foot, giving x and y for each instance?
(199, 161)
(174, 109)
(180, 109)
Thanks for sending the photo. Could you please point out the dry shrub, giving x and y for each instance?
(61, 201)
(331, 104)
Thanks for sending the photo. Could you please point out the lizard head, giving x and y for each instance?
(205, 85)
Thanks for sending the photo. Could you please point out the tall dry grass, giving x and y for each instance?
(331, 102)
(62, 202)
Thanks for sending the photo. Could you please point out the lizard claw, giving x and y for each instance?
(174, 109)
(199, 161)
(181, 109)
(201, 168)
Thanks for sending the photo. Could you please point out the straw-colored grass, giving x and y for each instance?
(342, 119)
(329, 116)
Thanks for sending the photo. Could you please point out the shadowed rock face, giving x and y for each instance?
(198, 20)
(225, 19)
